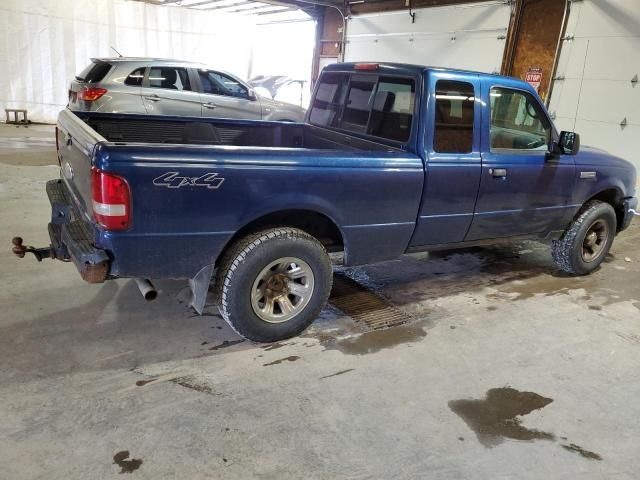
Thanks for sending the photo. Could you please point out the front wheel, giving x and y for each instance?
(587, 241)
(273, 284)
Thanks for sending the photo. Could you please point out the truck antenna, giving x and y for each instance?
(119, 54)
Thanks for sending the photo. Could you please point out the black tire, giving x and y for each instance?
(568, 252)
(246, 260)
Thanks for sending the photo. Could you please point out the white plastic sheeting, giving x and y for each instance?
(469, 36)
(44, 43)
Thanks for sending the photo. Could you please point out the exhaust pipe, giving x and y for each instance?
(146, 288)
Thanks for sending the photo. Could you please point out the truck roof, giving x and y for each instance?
(400, 68)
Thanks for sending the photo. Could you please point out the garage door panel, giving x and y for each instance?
(571, 61)
(607, 18)
(612, 138)
(464, 36)
(565, 98)
(433, 20)
(605, 59)
(608, 101)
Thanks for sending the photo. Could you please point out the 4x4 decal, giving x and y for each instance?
(175, 180)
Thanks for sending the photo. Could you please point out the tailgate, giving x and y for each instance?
(76, 145)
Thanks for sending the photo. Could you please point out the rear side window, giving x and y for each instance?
(171, 78)
(94, 72)
(453, 132)
(375, 105)
(134, 79)
(329, 98)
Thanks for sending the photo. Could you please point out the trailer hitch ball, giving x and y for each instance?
(18, 249)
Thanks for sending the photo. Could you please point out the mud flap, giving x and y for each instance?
(199, 287)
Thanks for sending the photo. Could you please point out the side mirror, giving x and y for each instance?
(251, 95)
(569, 143)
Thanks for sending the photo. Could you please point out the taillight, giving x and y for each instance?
(90, 94)
(111, 200)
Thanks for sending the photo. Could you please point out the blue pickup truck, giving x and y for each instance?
(391, 159)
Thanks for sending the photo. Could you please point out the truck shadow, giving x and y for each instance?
(118, 329)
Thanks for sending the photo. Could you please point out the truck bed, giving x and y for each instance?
(127, 128)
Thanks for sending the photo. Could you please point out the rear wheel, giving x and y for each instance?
(273, 284)
(587, 241)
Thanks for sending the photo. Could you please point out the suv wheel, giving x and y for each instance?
(273, 284)
(587, 241)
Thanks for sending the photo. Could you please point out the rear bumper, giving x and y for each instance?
(630, 203)
(72, 237)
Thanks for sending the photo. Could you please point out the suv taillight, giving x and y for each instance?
(90, 94)
(111, 200)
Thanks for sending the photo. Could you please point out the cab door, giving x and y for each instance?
(453, 162)
(225, 97)
(524, 189)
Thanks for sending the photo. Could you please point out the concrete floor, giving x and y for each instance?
(510, 370)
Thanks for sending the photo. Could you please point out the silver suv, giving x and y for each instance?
(171, 87)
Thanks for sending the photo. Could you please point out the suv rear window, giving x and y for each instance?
(374, 105)
(94, 72)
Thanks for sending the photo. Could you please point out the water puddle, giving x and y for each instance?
(494, 418)
(376, 340)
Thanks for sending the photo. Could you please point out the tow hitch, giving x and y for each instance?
(19, 250)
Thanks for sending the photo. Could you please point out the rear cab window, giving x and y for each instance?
(94, 72)
(371, 104)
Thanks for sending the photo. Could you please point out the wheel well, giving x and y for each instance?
(613, 197)
(316, 224)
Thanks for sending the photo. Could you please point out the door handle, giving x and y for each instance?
(152, 98)
(210, 105)
(498, 172)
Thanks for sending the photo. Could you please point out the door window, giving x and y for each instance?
(134, 79)
(517, 121)
(171, 78)
(218, 83)
(454, 117)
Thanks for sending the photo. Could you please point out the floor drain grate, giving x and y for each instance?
(364, 306)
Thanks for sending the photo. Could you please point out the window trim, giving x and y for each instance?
(418, 84)
(518, 151)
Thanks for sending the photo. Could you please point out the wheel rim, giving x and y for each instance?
(595, 241)
(282, 290)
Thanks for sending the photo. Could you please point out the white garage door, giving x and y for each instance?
(596, 91)
(470, 36)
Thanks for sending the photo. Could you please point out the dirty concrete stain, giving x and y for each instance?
(572, 447)
(274, 346)
(142, 383)
(193, 383)
(291, 358)
(341, 372)
(376, 340)
(226, 344)
(126, 466)
(494, 418)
